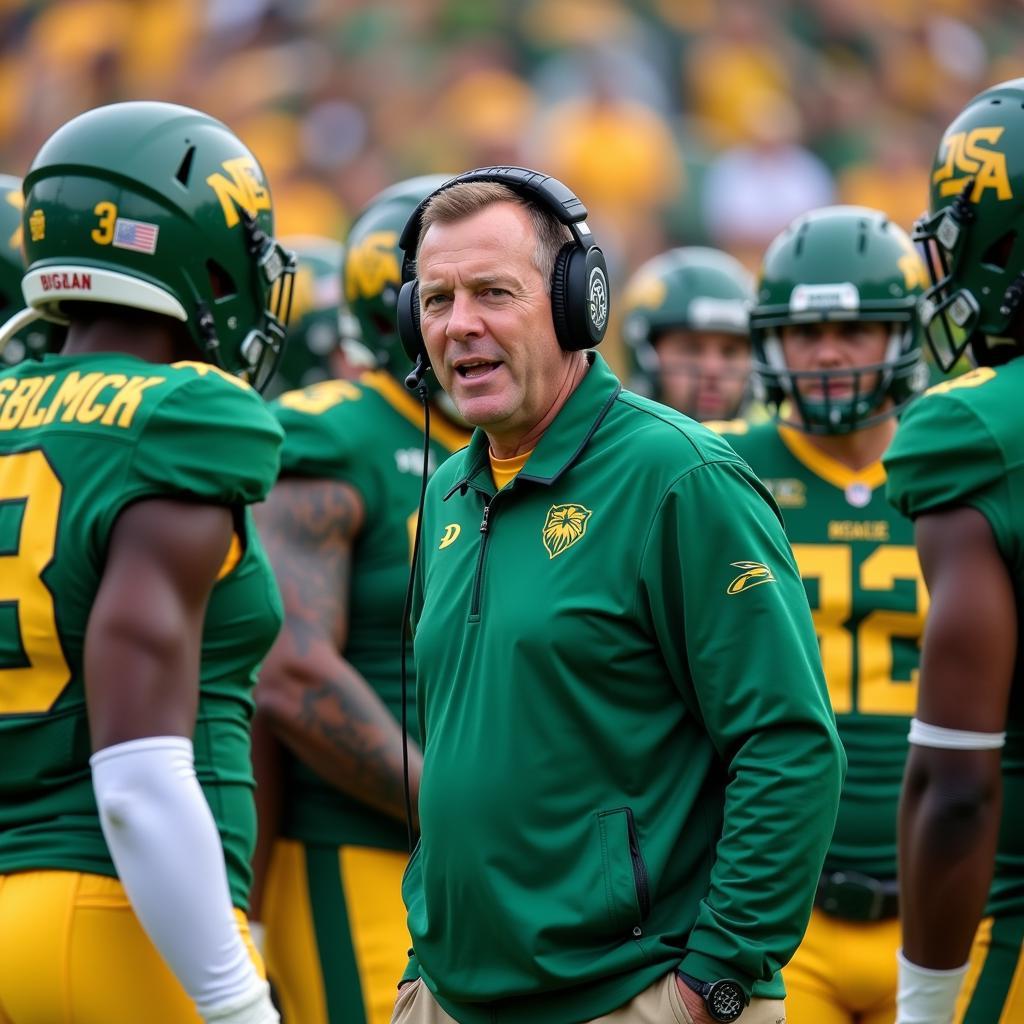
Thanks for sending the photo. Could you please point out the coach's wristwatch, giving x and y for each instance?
(724, 1000)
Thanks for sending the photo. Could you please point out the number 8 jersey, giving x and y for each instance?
(81, 438)
(857, 559)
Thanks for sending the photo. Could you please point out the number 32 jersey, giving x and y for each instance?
(868, 600)
(81, 438)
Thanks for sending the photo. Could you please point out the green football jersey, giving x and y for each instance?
(370, 435)
(868, 601)
(961, 444)
(81, 438)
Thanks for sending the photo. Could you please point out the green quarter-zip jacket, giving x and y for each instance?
(630, 760)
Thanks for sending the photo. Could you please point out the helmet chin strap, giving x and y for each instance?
(20, 319)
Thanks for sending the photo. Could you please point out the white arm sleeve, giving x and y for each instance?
(167, 851)
(926, 996)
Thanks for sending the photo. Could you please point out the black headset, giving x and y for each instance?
(579, 281)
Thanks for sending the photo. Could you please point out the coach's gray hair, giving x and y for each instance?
(463, 200)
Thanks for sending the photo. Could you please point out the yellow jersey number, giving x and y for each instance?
(33, 688)
(831, 565)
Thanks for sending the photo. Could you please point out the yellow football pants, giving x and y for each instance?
(844, 972)
(336, 937)
(72, 951)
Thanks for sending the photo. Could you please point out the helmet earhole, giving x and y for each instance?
(221, 281)
(185, 167)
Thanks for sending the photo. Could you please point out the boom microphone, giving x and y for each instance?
(419, 371)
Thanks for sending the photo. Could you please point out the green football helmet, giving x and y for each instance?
(314, 327)
(972, 232)
(840, 263)
(372, 272)
(692, 288)
(37, 338)
(160, 208)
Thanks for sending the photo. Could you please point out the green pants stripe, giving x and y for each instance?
(989, 998)
(333, 936)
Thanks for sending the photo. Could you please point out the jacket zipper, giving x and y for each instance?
(474, 608)
(643, 886)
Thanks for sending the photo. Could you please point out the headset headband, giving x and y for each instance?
(560, 201)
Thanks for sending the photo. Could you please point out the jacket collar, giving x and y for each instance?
(561, 444)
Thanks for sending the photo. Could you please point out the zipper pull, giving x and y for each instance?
(483, 522)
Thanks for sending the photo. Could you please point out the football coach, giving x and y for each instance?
(631, 768)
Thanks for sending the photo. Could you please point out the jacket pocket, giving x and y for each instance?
(626, 885)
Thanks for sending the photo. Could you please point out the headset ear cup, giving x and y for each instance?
(588, 296)
(560, 312)
(593, 296)
(579, 296)
(408, 310)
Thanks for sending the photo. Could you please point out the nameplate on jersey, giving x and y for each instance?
(859, 529)
(104, 399)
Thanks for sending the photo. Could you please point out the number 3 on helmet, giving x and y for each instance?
(160, 208)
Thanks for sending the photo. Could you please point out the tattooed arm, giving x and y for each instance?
(317, 704)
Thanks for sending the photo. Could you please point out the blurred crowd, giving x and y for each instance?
(698, 122)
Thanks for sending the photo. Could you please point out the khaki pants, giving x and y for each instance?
(660, 1003)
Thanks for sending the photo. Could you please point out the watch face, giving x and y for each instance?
(725, 1001)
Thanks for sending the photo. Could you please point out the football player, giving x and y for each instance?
(837, 352)
(686, 332)
(39, 336)
(955, 468)
(135, 599)
(337, 527)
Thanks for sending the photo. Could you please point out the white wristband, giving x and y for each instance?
(167, 851)
(925, 735)
(926, 996)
